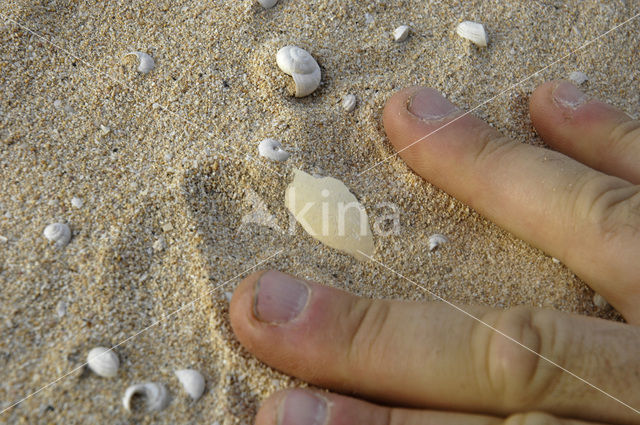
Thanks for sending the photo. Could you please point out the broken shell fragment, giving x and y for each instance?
(578, 77)
(267, 4)
(146, 62)
(103, 362)
(473, 32)
(302, 67)
(192, 381)
(349, 103)
(600, 302)
(58, 233)
(401, 33)
(156, 395)
(329, 212)
(436, 240)
(272, 149)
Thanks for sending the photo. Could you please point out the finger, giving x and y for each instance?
(595, 133)
(305, 407)
(589, 220)
(430, 355)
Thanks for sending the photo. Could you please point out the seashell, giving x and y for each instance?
(146, 62)
(436, 240)
(103, 362)
(61, 309)
(349, 102)
(192, 381)
(600, 302)
(401, 33)
(272, 149)
(267, 4)
(578, 77)
(156, 394)
(58, 233)
(302, 67)
(473, 32)
(330, 213)
(77, 202)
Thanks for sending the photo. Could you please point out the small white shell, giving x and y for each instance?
(272, 149)
(58, 233)
(267, 4)
(192, 381)
(146, 62)
(578, 77)
(77, 202)
(103, 362)
(600, 302)
(156, 394)
(349, 102)
(302, 67)
(473, 32)
(436, 240)
(401, 33)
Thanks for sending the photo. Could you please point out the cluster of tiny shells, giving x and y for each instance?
(155, 394)
(302, 67)
(473, 32)
(436, 240)
(60, 233)
(146, 62)
(272, 149)
(103, 362)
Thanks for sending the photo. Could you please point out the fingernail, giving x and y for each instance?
(429, 104)
(279, 298)
(567, 95)
(302, 407)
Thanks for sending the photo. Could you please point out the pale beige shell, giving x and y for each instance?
(155, 394)
(192, 381)
(436, 240)
(103, 362)
(473, 32)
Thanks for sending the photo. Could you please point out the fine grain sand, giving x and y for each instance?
(165, 190)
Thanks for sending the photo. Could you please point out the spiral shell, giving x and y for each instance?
(436, 240)
(302, 67)
(192, 381)
(155, 393)
(146, 62)
(103, 362)
(272, 149)
(58, 233)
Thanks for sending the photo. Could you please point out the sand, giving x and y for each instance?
(166, 188)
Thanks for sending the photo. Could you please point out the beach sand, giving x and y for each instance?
(166, 189)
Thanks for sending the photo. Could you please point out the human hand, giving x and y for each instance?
(437, 364)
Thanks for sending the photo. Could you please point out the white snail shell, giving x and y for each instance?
(473, 32)
(302, 67)
(103, 362)
(58, 233)
(155, 393)
(267, 4)
(146, 62)
(272, 149)
(192, 381)
(437, 240)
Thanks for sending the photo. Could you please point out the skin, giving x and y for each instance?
(404, 363)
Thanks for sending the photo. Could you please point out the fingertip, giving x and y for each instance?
(240, 308)
(268, 412)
